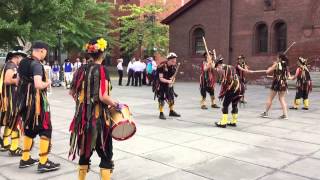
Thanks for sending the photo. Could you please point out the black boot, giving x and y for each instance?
(161, 116)
(174, 114)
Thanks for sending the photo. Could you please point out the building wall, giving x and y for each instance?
(302, 18)
(211, 16)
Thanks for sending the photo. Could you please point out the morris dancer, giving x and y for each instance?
(91, 125)
(207, 81)
(242, 69)
(232, 90)
(8, 88)
(279, 85)
(304, 84)
(163, 88)
(33, 106)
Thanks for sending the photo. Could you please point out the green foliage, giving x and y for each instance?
(79, 20)
(142, 21)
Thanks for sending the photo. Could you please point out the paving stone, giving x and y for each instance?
(179, 175)
(175, 137)
(283, 176)
(287, 125)
(228, 169)
(179, 157)
(139, 168)
(305, 137)
(261, 156)
(74, 175)
(306, 167)
(270, 142)
(271, 131)
(139, 145)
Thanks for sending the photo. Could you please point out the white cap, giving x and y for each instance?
(172, 55)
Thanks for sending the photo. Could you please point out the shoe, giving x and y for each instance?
(294, 108)
(243, 102)
(220, 125)
(204, 107)
(161, 116)
(4, 148)
(48, 166)
(215, 106)
(15, 153)
(174, 114)
(305, 108)
(28, 163)
(284, 117)
(232, 124)
(264, 115)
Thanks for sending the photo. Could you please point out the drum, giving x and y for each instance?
(123, 126)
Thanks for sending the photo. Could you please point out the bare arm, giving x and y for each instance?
(272, 68)
(244, 69)
(39, 84)
(296, 75)
(162, 79)
(8, 77)
(105, 98)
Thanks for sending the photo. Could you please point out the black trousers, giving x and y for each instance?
(233, 98)
(204, 89)
(120, 73)
(105, 157)
(130, 77)
(144, 77)
(150, 79)
(302, 94)
(137, 78)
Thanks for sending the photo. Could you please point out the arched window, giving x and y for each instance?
(261, 38)
(198, 45)
(280, 37)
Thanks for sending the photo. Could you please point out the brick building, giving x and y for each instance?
(257, 29)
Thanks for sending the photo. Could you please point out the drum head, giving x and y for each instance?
(123, 130)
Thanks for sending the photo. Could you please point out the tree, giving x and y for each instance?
(79, 20)
(142, 21)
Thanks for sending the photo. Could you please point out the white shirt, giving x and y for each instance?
(154, 65)
(119, 66)
(139, 66)
(77, 65)
(130, 66)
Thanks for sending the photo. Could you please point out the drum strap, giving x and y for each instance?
(102, 80)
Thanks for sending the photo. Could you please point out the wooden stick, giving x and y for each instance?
(285, 52)
(259, 71)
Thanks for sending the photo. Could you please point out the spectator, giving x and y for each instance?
(130, 72)
(120, 70)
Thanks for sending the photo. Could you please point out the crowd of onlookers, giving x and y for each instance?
(139, 72)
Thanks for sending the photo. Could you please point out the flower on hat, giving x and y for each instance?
(99, 45)
(102, 44)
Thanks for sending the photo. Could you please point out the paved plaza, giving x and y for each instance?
(191, 147)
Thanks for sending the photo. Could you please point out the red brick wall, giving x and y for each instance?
(300, 17)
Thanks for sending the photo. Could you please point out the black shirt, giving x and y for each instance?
(29, 67)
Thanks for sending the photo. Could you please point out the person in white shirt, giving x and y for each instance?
(138, 68)
(77, 65)
(120, 70)
(130, 72)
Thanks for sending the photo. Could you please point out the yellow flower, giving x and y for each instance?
(102, 44)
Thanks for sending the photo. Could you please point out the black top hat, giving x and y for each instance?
(17, 50)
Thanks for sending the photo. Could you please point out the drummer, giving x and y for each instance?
(91, 125)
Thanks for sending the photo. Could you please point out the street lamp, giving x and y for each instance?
(59, 35)
(140, 39)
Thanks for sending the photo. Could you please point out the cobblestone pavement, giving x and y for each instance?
(190, 147)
